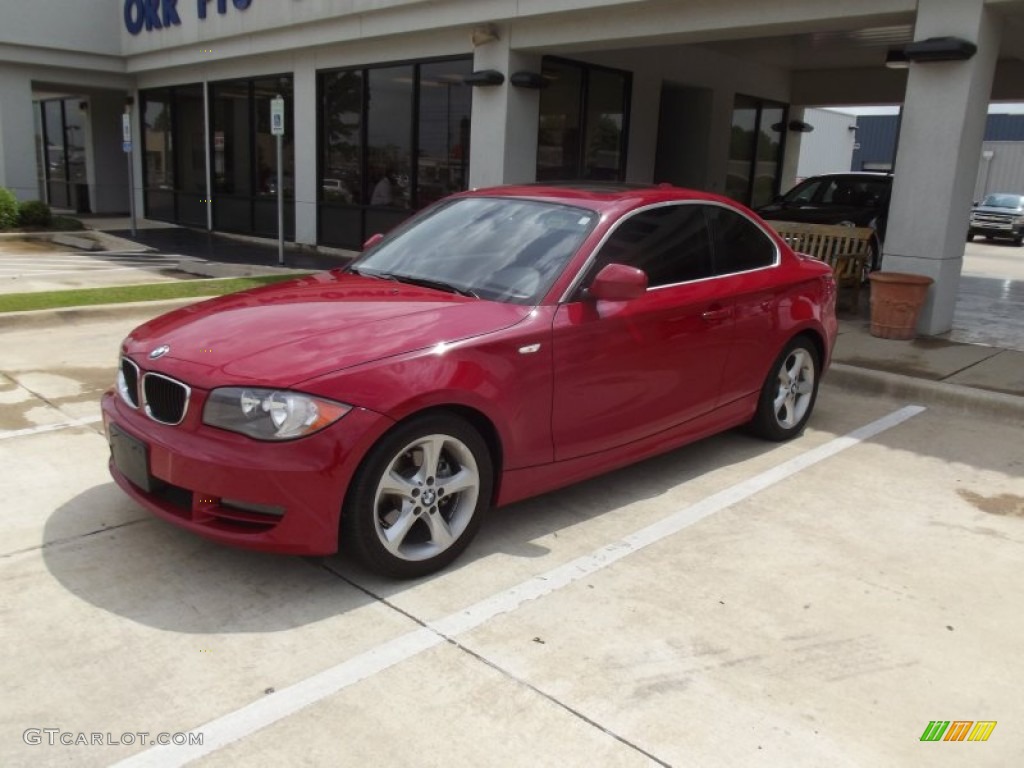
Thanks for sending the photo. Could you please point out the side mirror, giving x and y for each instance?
(372, 241)
(617, 282)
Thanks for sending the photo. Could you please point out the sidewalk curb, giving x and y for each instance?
(42, 318)
(927, 392)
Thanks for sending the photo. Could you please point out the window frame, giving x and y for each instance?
(574, 291)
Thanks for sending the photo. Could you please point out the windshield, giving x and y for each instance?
(494, 248)
(1002, 201)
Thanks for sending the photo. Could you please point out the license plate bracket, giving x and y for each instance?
(131, 457)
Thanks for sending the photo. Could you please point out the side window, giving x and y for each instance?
(739, 244)
(670, 243)
(805, 193)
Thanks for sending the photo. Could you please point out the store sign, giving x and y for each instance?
(159, 14)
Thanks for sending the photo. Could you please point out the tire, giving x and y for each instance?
(1018, 240)
(789, 392)
(418, 497)
(970, 237)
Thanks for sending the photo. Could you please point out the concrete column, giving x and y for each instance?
(938, 154)
(306, 193)
(17, 134)
(503, 132)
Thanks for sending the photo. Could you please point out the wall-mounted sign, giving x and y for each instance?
(150, 15)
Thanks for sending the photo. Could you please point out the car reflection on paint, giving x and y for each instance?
(502, 344)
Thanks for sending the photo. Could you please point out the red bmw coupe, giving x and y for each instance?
(502, 343)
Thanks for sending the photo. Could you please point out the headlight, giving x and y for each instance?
(270, 414)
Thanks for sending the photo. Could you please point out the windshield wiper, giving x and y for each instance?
(427, 282)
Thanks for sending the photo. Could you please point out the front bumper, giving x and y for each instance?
(278, 497)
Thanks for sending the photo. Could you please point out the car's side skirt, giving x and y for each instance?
(521, 484)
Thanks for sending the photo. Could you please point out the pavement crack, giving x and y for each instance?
(495, 666)
(66, 539)
(967, 367)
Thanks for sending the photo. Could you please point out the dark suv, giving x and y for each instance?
(851, 199)
(999, 215)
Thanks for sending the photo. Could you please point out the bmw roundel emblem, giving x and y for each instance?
(159, 352)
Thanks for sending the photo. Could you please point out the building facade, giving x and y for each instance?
(392, 104)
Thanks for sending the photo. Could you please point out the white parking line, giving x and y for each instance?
(266, 711)
(8, 434)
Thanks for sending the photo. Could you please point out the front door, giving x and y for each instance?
(626, 370)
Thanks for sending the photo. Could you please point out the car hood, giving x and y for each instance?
(287, 333)
(994, 209)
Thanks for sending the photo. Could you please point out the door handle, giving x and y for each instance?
(716, 315)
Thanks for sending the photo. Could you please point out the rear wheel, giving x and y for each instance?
(788, 394)
(419, 496)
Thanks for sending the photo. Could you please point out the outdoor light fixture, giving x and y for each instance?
(484, 77)
(897, 59)
(940, 49)
(528, 80)
(797, 126)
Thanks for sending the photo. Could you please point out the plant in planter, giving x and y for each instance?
(34, 213)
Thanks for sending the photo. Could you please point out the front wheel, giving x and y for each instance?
(788, 394)
(417, 500)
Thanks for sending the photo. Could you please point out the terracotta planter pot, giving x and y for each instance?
(896, 301)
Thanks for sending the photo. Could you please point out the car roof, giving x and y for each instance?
(600, 196)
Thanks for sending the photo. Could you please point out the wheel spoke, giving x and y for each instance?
(440, 533)
(780, 400)
(430, 453)
(393, 484)
(463, 480)
(394, 537)
(804, 387)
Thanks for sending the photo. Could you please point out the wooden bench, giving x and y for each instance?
(848, 250)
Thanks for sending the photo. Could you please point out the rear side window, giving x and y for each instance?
(670, 243)
(739, 244)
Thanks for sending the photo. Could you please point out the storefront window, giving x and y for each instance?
(442, 161)
(244, 155)
(264, 91)
(158, 153)
(190, 155)
(755, 151)
(174, 154)
(389, 136)
(582, 128)
(342, 137)
(60, 139)
(392, 139)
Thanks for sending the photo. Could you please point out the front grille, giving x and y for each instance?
(166, 399)
(129, 384)
(994, 218)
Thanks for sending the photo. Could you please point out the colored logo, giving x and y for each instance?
(958, 730)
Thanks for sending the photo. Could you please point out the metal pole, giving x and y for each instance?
(131, 189)
(128, 136)
(280, 205)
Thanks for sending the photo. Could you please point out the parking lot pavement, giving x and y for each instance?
(29, 267)
(732, 603)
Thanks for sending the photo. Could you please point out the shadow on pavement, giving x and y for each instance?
(211, 247)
